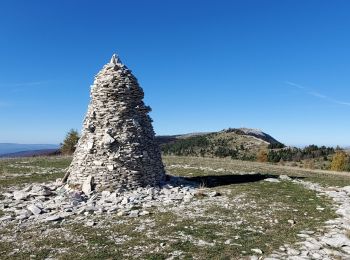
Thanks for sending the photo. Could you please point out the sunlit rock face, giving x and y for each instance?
(117, 149)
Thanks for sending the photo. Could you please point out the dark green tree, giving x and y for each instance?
(70, 142)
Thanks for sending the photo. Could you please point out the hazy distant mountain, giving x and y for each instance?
(8, 148)
(31, 153)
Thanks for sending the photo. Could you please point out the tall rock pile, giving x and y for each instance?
(117, 149)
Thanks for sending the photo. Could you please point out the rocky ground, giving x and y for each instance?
(215, 212)
(333, 242)
(55, 202)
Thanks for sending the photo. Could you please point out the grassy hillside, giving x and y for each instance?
(235, 143)
(248, 145)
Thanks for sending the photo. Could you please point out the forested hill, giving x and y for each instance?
(241, 143)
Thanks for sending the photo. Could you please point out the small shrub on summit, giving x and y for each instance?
(70, 142)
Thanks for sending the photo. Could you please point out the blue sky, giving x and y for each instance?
(280, 66)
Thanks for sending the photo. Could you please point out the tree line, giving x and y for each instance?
(298, 154)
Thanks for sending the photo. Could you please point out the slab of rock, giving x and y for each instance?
(40, 190)
(272, 180)
(53, 218)
(214, 194)
(257, 251)
(337, 241)
(144, 212)
(293, 252)
(134, 213)
(34, 209)
(20, 195)
(87, 185)
(6, 218)
(346, 189)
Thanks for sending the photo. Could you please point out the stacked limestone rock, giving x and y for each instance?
(117, 149)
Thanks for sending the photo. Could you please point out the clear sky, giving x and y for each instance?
(280, 66)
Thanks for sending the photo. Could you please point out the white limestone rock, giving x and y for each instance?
(108, 140)
(284, 178)
(90, 223)
(5, 218)
(40, 190)
(257, 251)
(53, 218)
(346, 189)
(337, 241)
(272, 180)
(34, 209)
(87, 185)
(20, 195)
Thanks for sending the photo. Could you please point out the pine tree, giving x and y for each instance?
(69, 144)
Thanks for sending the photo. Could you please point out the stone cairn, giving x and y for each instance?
(117, 149)
(117, 166)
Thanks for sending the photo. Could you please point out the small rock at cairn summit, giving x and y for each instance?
(117, 148)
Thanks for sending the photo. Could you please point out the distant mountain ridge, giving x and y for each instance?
(9, 148)
(31, 153)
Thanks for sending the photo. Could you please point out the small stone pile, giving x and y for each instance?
(117, 149)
